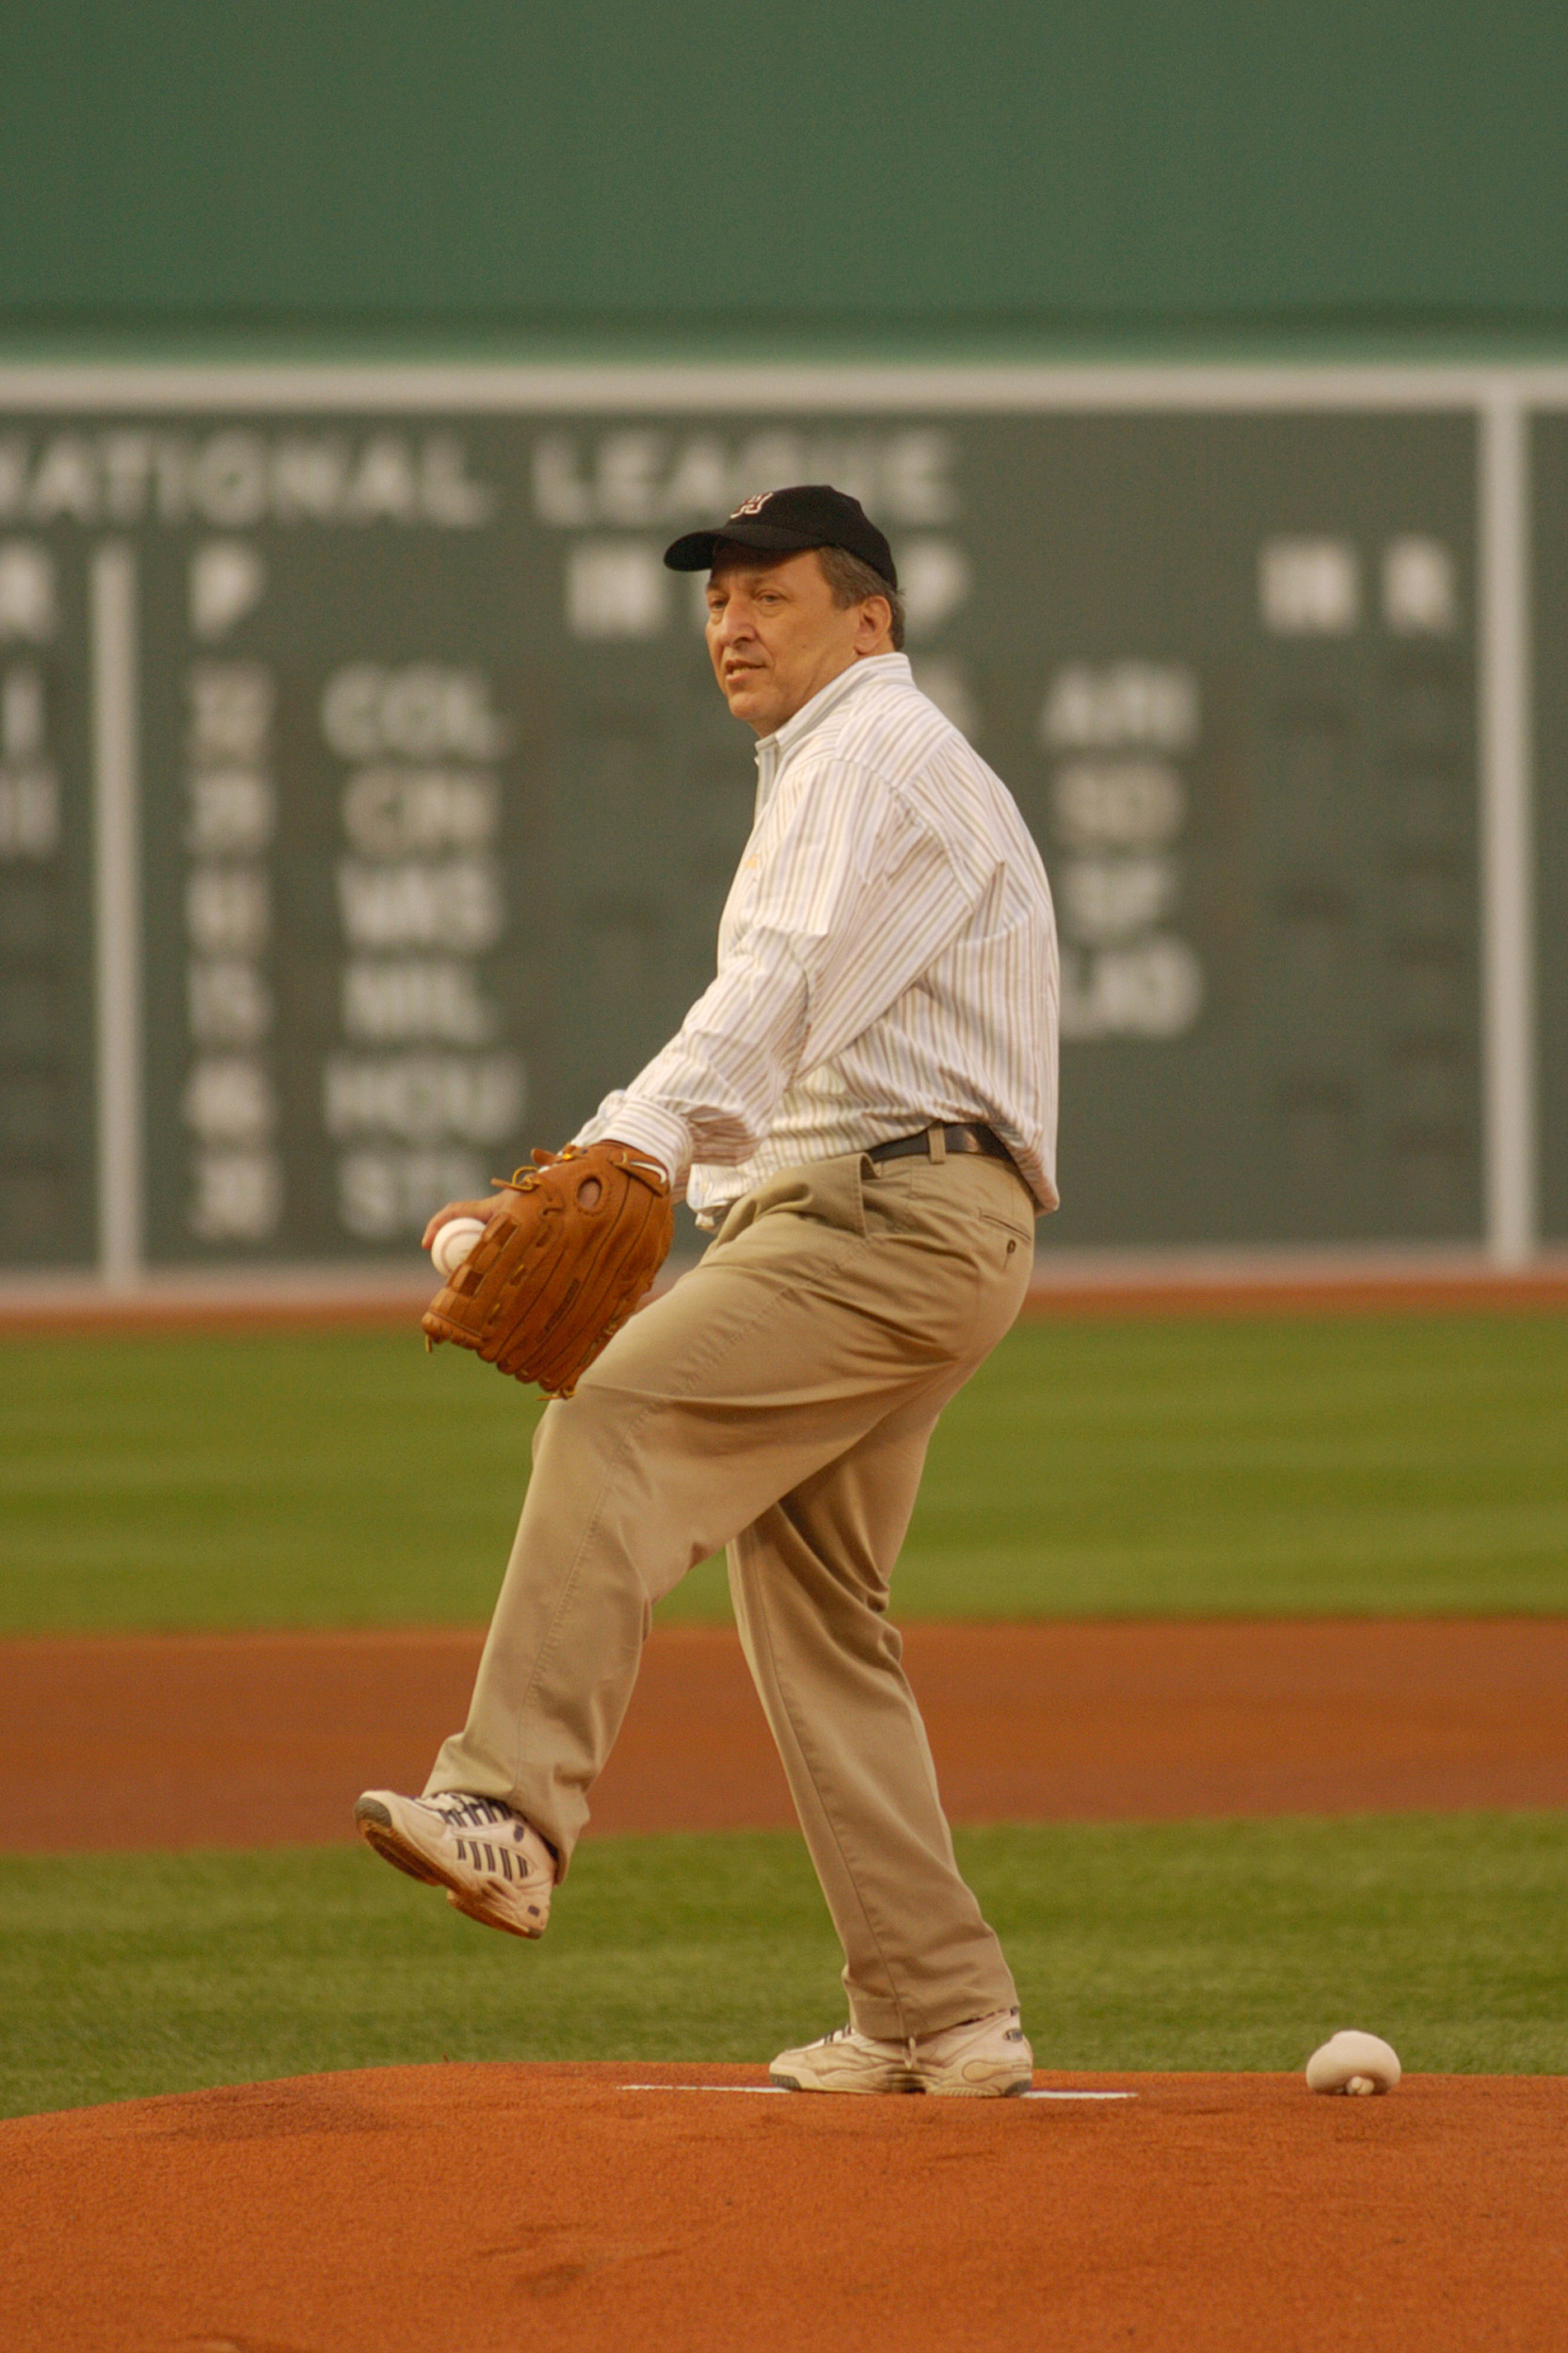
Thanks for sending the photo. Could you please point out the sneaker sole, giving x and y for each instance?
(992, 2087)
(1014, 2090)
(381, 1834)
(862, 2092)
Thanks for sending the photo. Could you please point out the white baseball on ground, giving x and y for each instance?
(1357, 2063)
(454, 1242)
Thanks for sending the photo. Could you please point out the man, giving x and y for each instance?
(863, 1104)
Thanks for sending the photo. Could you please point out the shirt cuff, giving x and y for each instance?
(664, 1135)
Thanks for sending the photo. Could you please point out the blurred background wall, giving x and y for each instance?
(365, 808)
(1173, 178)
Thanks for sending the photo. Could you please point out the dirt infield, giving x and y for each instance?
(481, 2209)
(1110, 1283)
(251, 1740)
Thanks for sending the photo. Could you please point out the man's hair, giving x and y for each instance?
(853, 582)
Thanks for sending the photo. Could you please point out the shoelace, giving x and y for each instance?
(467, 1813)
(846, 2034)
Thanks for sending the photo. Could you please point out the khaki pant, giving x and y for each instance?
(779, 1401)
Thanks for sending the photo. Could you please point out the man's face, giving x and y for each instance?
(776, 637)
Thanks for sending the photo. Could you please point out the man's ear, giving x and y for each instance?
(876, 620)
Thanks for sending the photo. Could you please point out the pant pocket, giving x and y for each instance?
(1020, 1233)
(1005, 1265)
(827, 1191)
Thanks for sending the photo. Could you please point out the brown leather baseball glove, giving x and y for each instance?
(570, 1247)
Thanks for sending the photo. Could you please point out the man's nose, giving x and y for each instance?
(735, 622)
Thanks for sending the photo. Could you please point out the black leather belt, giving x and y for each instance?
(967, 1139)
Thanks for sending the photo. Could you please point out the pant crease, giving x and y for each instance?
(828, 1816)
(635, 1425)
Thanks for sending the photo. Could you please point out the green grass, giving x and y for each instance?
(1202, 1945)
(1277, 1466)
(345, 1479)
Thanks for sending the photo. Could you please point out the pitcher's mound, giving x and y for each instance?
(486, 2209)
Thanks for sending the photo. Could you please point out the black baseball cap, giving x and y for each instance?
(783, 522)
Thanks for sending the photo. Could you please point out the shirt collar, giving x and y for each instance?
(771, 749)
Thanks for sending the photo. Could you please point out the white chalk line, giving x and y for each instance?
(777, 2091)
(1078, 2095)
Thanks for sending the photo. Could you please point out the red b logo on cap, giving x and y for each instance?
(753, 505)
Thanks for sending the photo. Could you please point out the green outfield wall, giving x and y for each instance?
(365, 809)
(1006, 169)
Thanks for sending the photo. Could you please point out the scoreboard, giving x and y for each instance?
(367, 805)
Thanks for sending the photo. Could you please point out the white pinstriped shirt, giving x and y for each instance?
(887, 960)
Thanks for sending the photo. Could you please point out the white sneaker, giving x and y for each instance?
(845, 2060)
(493, 1865)
(984, 2058)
